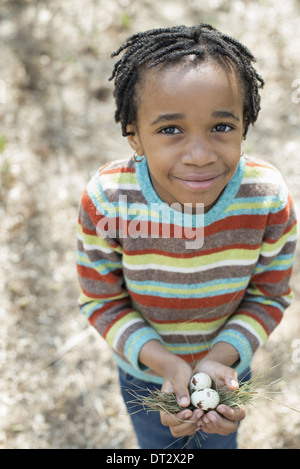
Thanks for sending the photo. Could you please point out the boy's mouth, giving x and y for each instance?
(198, 182)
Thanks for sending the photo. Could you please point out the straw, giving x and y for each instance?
(256, 388)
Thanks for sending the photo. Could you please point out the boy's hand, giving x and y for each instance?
(177, 374)
(221, 375)
(224, 424)
(224, 420)
(171, 367)
(185, 422)
(177, 379)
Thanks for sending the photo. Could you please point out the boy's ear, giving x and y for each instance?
(133, 139)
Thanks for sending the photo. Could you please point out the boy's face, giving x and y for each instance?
(190, 129)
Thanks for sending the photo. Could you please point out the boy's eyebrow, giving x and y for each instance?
(225, 114)
(168, 117)
(178, 116)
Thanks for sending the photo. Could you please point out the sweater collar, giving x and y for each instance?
(215, 213)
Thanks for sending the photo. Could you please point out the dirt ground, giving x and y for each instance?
(58, 383)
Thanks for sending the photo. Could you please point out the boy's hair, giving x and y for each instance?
(170, 45)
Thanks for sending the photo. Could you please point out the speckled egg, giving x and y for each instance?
(205, 399)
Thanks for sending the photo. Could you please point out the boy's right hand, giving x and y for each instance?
(177, 374)
(185, 422)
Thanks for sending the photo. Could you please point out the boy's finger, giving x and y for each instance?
(231, 379)
(232, 414)
(184, 400)
(167, 386)
(176, 419)
(231, 383)
(182, 394)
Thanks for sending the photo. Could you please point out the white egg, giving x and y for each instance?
(200, 381)
(205, 399)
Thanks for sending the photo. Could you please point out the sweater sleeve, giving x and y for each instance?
(268, 293)
(103, 295)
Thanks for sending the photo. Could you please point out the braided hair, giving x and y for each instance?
(171, 45)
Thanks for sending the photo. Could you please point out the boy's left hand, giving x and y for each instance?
(224, 420)
(224, 424)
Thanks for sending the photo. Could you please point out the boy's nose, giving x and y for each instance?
(198, 151)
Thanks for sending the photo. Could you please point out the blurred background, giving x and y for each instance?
(58, 384)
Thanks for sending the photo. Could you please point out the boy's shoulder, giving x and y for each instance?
(116, 167)
(113, 180)
(117, 176)
(114, 172)
(260, 167)
(262, 178)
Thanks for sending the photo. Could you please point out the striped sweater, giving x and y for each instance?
(142, 279)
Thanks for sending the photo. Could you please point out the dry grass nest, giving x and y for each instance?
(256, 388)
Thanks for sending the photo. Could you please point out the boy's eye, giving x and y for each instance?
(222, 128)
(170, 130)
